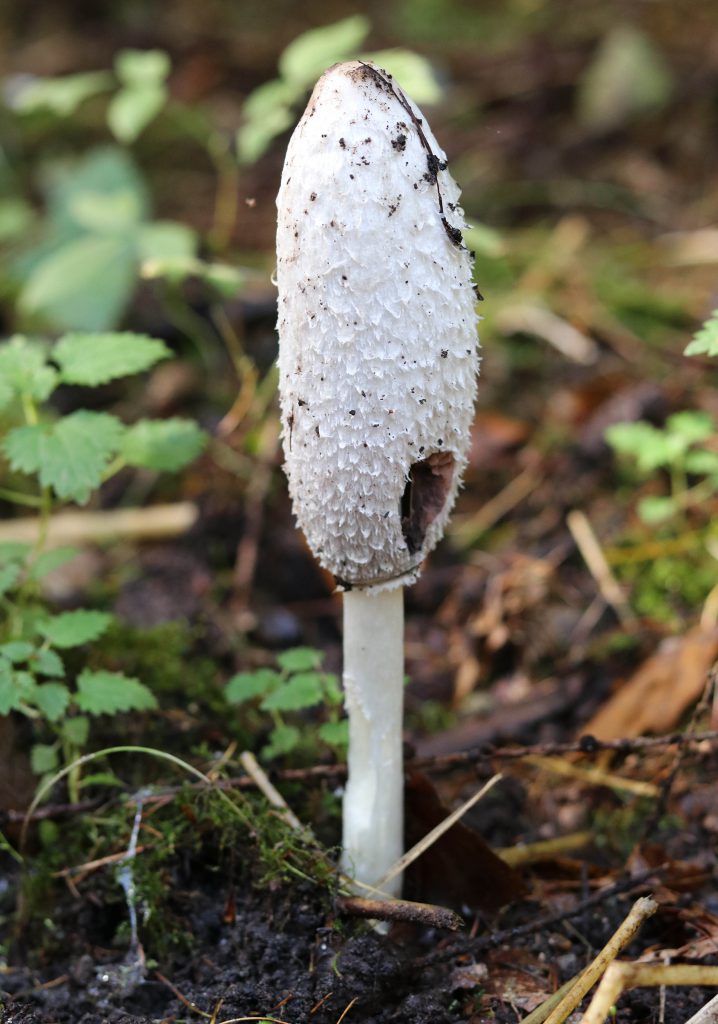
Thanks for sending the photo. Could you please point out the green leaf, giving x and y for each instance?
(108, 173)
(48, 561)
(103, 213)
(311, 53)
(71, 629)
(163, 444)
(246, 686)
(650, 447)
(702, 462)
(52, 699)
(24, 369)
(654, 509)
(142, 67)
(267, 113)
(16, 217)
(92, 359)
(76, 730)
(692, 425)
(14, 551)
(336, 734)
(44, 758)
(62, 95)
(166, 239)
(332, 690)
(413, 73)
(101, 779)
(84, 285)
(17, 651)
(107, 693)
(299, 659)
(627, 77)
(282, 740)
(225, 279)
(48, 663)
(10, 695)
(303, 690)
(9, 575)
(71, 455)
(705, 341)
(133, 108)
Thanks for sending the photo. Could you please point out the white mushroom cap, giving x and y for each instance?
(377, 328)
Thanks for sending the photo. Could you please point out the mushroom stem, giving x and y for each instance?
(373, 837)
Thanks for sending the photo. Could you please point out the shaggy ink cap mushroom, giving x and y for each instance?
(377, 326)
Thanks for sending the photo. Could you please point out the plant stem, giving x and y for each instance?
(373, 693)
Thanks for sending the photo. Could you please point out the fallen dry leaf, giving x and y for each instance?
(658, 693)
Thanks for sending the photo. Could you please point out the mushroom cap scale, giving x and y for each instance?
(377, 325)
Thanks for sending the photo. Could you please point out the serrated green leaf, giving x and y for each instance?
(52, 699)
(142, 67)
(14, 551)
(332, 690)
(76, 730)
(48, 663)
(133, 108)
(166, 239)
(92, 359)
(299, 659)
(282, 740)
(336, 734)
(71, 629)
(17, 651)
(9, 695)
(702, 462)
(109, 172)
(9, 575)
(44, 758)
(303, 690)
(246, 686)
(83, 285)
(51, 560)
(163, 444)
(107, 693)
(692, 425)
(655, 509)
(63, 95)
(412, 72)
(24, 369)
(705, 341)
(71, 455)
(311, 53)
(650, 447)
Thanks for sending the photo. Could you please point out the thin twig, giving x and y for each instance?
(95, 527)
(261, 780)
(621, 976)
(592, 553)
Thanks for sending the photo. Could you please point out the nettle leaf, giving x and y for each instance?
(9, 575)
(247, 685)
(705, 342)
(312, 52)
(71, 629)
(332, 690)
(83, 285)
(44, 758)
(76, 730)
(48, 663)
(24, 369)
(17, 651)
(304, 690)
(71, 455)
(282, 740)
(93, 359)
(52, 699)
(650, 447)
(48, 561)
(107, 693)
(132, 109)
(163, 444)
(299, 659)
(336, 734)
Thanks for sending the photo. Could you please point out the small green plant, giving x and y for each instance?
(705, 341)
(296, 685)
(685, 448)
(58, 459)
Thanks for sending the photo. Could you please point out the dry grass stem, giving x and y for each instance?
(544, 849)
(622, 976)
(157, 521)
(594, 776)
(597, 564)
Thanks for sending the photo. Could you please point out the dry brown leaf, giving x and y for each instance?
(657, 694)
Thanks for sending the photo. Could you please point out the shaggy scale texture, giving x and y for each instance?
(377, 326)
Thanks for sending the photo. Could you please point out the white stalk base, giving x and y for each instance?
(373, 836)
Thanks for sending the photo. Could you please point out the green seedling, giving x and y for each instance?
(54, 460)
(705, 341)
(684, 448)
(297, 685)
